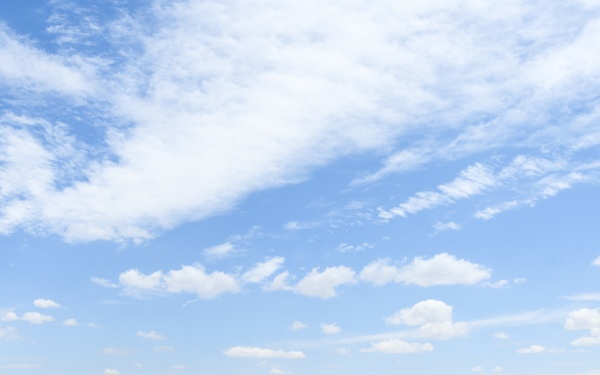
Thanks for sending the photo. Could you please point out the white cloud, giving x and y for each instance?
(278, 371)
(31, 317)
(585, 319)
(8, 333)
(116, 351)
(103, 282)
(395, 346)
(219, 251)
(501, 336)
(280, 282)
(45, 303)
(379, 272)
(70, 323)
(298, 326)
(109, 371)
(497, 369)
(533, 349)
(194, 279)
(263, 270)
(444, 227)
(442, 269)
(134, 281)
(596, 262)
(150, 335)
(346, 248)
(255, 352)
(477, 369)
(247, 122)
(433, 317)
(323, 284)
(330, 329)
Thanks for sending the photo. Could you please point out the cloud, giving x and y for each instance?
(278, 371)
(501, 336)
(497, 369)
(298, 326)
(109, 371)
(330, 329)
(444, 227)
(219, 251)
(585, 319)
(433, 317)
(477, 369)
(45, 303)
(8, 333)
(533, 349)
(263, 270)
(255, 352)
(395, 346)
(103, 282)
(31, 317)
(346, 248)
(442, 269)
(70, 323)
(116, 351)
(236, 109)
(150, 335)
(164, 349)
(596, 262)
(323, 284)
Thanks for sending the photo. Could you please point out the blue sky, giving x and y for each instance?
(197, 187)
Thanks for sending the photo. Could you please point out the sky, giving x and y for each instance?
(307, 187)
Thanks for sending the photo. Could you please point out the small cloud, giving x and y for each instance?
(346, 248)
(70, 323)
(344, 352)
(533, 349)
(297, 326)
(497, 369)
(104, 282)
(596, 262)
(219, 251)
(278, 371)
(45, 303)
(477, 369)
(255, 352)
(395, 346)
(519, 280)
(440, 227)
(109, 371)
(330, 329)
(496, 285)
(296, 225)
(501, 336)
(178, 368)
(150, 335)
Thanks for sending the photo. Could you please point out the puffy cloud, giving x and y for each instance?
(150, 335)
(104, 282)
(444, 227)
(433, 317)
(263, 270)
(45, 303)
(442, 269)
(585, 319)
(279, 282)
(533, 349)
(297, 326)
(134, 281)
(255, 352)
(31, 317)
(497, 369)
(379, 272)
(109, 371)
(194, 279)
(596, 262)
(346, 248)
(330, 329)
(323, 284)
(395, 346)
